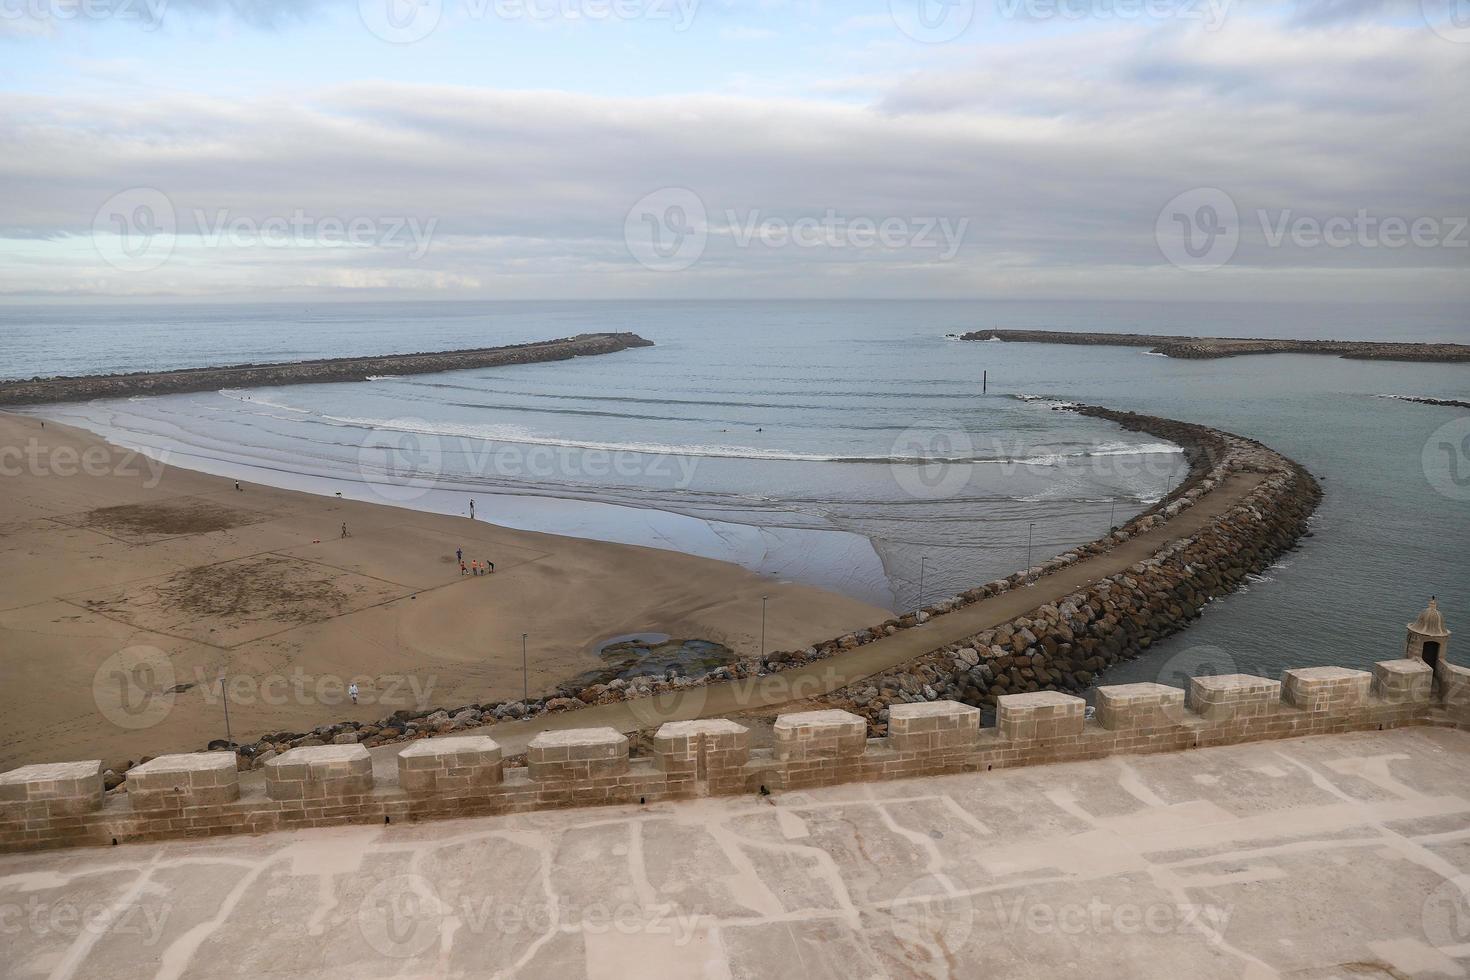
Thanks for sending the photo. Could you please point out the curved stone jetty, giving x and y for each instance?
(1210, 347)
(38, 391)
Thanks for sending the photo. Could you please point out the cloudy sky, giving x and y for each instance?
(1109, 149)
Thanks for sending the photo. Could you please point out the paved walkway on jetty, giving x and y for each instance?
(823, 676)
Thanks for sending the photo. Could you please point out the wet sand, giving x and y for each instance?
(104, 551)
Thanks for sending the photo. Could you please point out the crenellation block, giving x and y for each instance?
(1133, 707)
(459, 766)
(1039, 715)
(320, 772)
(829, 734)
(187, 779)
(1404, 681)
(577, 753)
(932, 726)
(1233, 697)
(1325, 688)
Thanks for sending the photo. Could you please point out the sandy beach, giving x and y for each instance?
(119, 574)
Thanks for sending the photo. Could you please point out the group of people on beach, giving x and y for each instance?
(473, 566)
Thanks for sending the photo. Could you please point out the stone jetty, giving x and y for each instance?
(37, 391)
(1210, 347)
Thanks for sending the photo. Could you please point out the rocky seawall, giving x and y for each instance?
(1442, 402)
(1211, 347)
(1065, 646)
(37, 391)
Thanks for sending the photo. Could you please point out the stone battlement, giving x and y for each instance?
(198, 794)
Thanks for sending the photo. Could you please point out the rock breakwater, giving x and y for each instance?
(37, 391)
(1211, 347)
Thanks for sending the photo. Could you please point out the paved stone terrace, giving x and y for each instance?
(1328, 856)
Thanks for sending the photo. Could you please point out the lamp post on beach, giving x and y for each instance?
(525, 682)
(1113, 514)
(922, 560)
(225, 696)
(763, 624)
(1029, 529)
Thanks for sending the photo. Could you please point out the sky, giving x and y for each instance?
(1215, 150)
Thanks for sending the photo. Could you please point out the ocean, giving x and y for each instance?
(855, 446)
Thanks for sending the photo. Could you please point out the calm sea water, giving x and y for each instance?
(844, 444)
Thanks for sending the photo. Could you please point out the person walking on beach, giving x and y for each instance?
(344, 530)
(352, 691)
(489, 566)
(462, 568)
(472, 508)
(459, 554)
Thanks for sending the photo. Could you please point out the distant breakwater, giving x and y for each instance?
(38, 391)
(1210, 347)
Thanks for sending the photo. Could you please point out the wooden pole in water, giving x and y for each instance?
(984, 381)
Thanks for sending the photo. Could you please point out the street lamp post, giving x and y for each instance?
(1029, 529)
(763, 624)
(525, 682)
(922, 560)
(225, 696)
(1113, 515)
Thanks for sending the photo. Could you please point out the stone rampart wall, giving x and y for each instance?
(199, 794)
